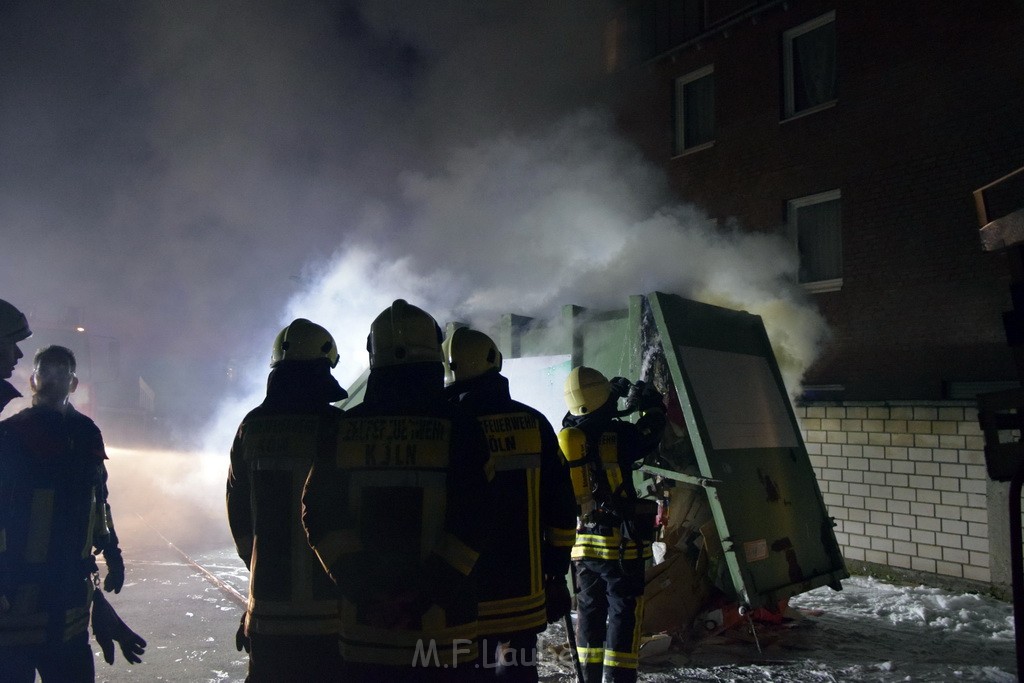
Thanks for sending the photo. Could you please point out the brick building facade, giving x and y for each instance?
(925, 107)
(859, 129)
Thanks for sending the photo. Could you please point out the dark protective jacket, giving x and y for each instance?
(53, 513)
(276, 443)
(616, 532)
(534, 502)
(7, 393)
(397, 515)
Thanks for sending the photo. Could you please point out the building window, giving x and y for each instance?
(814, 224)
(809, 65)
(695, 110)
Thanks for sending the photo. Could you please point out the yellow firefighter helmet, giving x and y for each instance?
(586, 390)
(13, 324)
(403, 334)
(468, 354)
(304, 340)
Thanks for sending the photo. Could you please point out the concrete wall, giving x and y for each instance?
(907, 486)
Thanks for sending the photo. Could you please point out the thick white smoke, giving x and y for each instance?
(526, 223)
(198, 174)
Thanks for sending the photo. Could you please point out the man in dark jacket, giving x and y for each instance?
(53, 512)
(291, 623)
(613, 539)
(13, 329)
(522, 571)
(398, 512)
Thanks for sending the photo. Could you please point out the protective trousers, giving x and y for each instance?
(60, 662)
(610, 603)
(300, 659)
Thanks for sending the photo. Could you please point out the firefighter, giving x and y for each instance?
(613, 539)
(291, 622)
(13, 329)
(398, 512)
(54, 512)
(522, 572)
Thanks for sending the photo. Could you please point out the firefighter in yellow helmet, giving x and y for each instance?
(291, 622)
(53, 515)
(613, 539)
(398, 512)
(13, 329)
(523, 571)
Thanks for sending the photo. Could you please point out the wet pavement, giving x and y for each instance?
(188, 623)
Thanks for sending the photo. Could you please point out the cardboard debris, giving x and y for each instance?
(674, 595)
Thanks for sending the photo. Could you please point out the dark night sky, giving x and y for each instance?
(187, 177)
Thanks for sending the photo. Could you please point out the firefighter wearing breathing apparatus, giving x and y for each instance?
(522, 571)
(291, 622)
(613, 539)
(397, 513)
(53, 514)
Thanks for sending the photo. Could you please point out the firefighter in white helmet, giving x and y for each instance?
(613, 539)
(522, 574)
(13, 329)
(291, 622)
(399, 511)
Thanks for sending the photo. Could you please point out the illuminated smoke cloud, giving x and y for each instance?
(194, 175)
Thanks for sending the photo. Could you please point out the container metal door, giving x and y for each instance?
(776, 533)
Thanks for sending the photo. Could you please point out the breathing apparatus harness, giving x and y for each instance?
(601, 505)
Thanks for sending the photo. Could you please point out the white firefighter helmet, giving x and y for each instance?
(586, 390)
(469, 353)
(403, 334)
(304, 340)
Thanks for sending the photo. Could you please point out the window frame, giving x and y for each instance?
(679, 147)
(789, 93)
(792, 211)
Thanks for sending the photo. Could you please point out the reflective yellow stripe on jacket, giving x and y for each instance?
(514, 440)
(599, 547)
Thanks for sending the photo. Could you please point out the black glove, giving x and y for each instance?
(650, 398)
(619, 386)
(107, 627)
(559, 602)
(114, 580)
(241, 640)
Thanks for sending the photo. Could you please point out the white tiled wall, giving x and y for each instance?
(906, 483)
